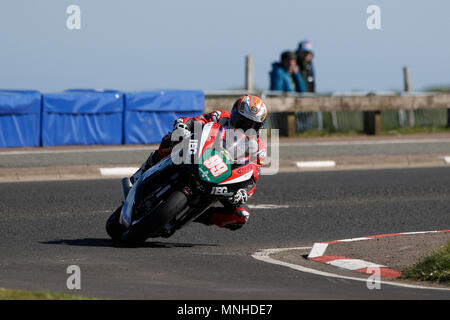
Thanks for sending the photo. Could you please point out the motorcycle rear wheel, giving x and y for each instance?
(154, 223)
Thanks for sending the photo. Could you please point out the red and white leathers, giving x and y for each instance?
(231, 216)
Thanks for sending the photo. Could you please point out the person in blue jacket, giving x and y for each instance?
(285, 75)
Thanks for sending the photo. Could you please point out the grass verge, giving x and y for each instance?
(416, 130)
(384, 132)
(9, 294)
(434, 267)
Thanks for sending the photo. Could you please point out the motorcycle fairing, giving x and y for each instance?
(128, 206)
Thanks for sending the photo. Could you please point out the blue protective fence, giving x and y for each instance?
(20, 118)
(82, 118)
(86, 117)
(150, 115)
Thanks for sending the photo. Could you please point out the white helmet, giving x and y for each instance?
(249, 112)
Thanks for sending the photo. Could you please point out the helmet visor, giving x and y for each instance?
(246, 124)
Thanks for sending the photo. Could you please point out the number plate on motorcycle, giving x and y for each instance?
(214, 167)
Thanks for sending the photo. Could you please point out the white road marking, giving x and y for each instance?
(419, 232)
(264, 255)
(118, 171)
(318, 250)
(315, 164)
(354, 239)
(267, 206)
(353, 264)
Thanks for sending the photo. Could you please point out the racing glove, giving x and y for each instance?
(181, 130)
(240, 197)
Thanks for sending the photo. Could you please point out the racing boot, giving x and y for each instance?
(224, 217)
(153, 158)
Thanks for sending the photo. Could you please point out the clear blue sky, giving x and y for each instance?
(201, 44)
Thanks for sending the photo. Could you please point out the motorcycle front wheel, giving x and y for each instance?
(113, 228)
(154, 223)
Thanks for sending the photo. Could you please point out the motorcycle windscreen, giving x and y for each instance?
(239, 147)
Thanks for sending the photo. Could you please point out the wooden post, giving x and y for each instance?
(369, 122)
(291, 124)
(372, 120)
(448, 117)
(248, 73)
(407, 87)
(406, 79)
(377, 122)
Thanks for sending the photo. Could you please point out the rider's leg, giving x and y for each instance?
(230, 217)
(164, 149)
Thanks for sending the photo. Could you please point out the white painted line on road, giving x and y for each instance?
(318, 250)
(118, 171)
(264, 255)
(315, 164)
(267, 206)
(418, 232)
(447, 160)
(353, 264)
(354, 239)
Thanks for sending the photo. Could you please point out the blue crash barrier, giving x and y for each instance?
(85, 116)
(82, 117)
(149, 115)
(20, 118)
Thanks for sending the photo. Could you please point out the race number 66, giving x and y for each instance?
(216, 165)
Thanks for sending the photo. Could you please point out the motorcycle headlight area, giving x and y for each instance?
(239, 147)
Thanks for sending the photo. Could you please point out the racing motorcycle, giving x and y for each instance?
(180, 187)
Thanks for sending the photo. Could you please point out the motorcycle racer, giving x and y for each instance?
(248, 114)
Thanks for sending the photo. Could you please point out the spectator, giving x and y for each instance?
(304, 120)
(304, 61)
(285, 75)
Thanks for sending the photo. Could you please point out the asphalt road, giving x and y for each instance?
(289, 149)
(47, 226)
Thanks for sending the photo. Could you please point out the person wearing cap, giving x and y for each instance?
(304, 120)
(285, 75)
(304, 61)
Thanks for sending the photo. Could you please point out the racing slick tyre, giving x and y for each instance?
(113, 228)
(154, 223)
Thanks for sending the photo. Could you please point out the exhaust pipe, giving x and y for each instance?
(126, 187)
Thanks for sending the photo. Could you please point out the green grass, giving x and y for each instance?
(434, 267)
(385, 132)
(9, 294)
(327, 133)
(416, 130)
